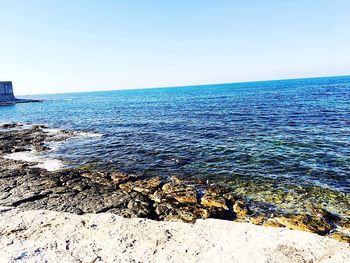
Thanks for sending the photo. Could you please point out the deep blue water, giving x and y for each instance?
(292, 131)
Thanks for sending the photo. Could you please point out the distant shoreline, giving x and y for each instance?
(189, 85)
(18, 101)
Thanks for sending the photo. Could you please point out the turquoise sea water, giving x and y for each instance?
(289, 133)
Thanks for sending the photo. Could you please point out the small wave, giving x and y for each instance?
(39, 160)
(88, 134)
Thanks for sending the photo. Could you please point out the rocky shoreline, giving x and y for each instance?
(83, 190)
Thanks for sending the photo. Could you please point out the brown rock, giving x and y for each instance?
(178, 212)
(216, 190)
(97, 177)
(240, 209)
(213, 201)
(257, 220)
(320, 212)
(305, 223)
(180, 192)
(340, 236)
(147, 186)
(345, 224)
(118, 177)
(271, 222)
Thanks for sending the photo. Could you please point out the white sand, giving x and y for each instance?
(46, 236)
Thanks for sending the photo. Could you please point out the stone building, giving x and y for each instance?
(6, 91)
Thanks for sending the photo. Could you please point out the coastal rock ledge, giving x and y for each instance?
(48, 236)
(85, 214)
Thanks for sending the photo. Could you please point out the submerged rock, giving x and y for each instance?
(321, 212)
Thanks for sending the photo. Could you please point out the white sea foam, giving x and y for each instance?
(89, 134)
(72, 134)
(44, 162)
(39, 160)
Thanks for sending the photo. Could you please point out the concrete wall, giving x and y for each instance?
(6, 91)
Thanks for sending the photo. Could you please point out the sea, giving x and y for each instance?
(283, 142)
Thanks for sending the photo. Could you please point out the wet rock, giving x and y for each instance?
(257, 219)
(38, 127)
(183, 213)
(214, 197)
(119, 178)
(139, 206)
(214, 201)
(271, 222)
(147, 186)
(10, 125)
(179, 192)
(305, 223)
(98, 177)
(320, 212)
(240, 209)
(345, 223)
(340, 236)
(216, 190)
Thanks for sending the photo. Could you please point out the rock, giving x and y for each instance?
(147, 186)
(214, 197)
(139, 206)
(271, 222)
(118, 178)
(305, 223)
(240, 209)
(340, 236)
(320, 212)
(10, 125)
(178, 212)
(38, 127)
(257, 219)
(97, 177)
(216, 190)
(214, 201)
(345, 223)
(179, 192)
(176, 180)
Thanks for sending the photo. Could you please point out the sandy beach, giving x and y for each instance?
(47, 236)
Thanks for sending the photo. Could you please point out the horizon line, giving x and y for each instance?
(182, 86)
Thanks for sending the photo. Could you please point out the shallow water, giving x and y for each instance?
(279, 135)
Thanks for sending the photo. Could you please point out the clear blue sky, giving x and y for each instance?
(49, 46)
